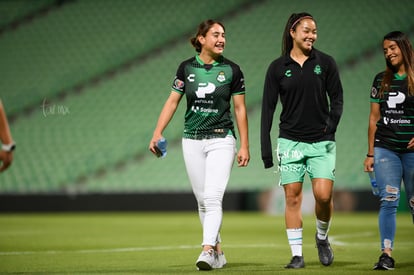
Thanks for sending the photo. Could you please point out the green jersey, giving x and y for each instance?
(208, 89)
(396, 125)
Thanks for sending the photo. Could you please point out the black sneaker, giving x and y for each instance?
(324, 251)
(385, 262)
(296, 262)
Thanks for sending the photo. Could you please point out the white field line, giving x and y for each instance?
(128, 249)
(334, 240)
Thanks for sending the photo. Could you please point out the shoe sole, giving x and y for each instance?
(383, 268)
(328, 263)
(203, 265)
(294, 267)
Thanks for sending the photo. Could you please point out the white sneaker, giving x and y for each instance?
(220, 261)
(206, 260)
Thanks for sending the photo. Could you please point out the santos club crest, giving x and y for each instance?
(221, 77)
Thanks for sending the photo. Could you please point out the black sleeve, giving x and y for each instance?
(179, 79)
(335, 93)
(376, 85)
(237, 84)
(269, 102)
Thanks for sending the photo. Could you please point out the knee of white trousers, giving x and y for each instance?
(212, 203)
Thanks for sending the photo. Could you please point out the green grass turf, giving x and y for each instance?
(169, 243)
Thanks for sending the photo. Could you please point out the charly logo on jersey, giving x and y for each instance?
(317, 70)
(221, 77)
(191, 77)
(288, 73)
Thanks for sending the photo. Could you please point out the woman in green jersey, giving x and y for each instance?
(209, 82)
(391, 137)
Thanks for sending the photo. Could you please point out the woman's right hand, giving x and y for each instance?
(153, 143)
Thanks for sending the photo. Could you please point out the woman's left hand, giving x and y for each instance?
(243, 157)
(411, 144)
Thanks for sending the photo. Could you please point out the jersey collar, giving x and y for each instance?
(400, 77)
(215, 63)
(289, 60)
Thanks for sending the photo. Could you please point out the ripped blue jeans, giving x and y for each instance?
(390, 169)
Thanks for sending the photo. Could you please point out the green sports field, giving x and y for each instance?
(168, 243)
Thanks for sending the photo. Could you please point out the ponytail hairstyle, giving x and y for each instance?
(203, 28)
(408, 62)
(292, 23)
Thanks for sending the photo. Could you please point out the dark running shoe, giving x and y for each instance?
(385, 262)
(324, 251)
(296, 262)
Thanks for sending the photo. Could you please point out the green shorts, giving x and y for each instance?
(298, 158)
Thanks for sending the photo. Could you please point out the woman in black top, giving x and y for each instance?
(308, 84)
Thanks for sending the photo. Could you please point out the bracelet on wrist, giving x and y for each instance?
(8, 147)
(370, 156)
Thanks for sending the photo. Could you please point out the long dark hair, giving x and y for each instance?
(202, 30)
(408, 59)
(292, 23)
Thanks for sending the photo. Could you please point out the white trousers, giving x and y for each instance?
(209, 163)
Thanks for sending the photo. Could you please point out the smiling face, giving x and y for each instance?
(392, 54)
(214, 41)
(304, 35)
